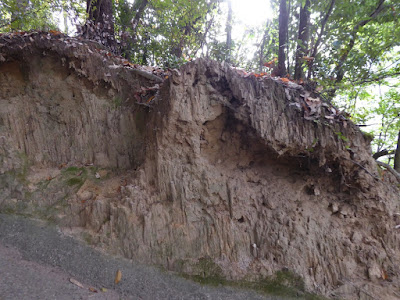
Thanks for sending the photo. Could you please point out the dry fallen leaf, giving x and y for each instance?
(308, 58)
(55, 32)
(384, 275)
(151, 98)
(92, 290)
(103, 290)
(118, 276)
(76, 282)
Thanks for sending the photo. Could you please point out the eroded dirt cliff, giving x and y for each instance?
(205, 170)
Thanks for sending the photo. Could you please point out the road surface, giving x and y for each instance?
(37, 261)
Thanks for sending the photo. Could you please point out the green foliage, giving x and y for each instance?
(341, 136)
(283, 283)
(75, 181)
(169, 32)
(382, 112)
(24, 15)
(74, 176)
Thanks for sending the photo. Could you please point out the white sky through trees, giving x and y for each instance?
(252, 12)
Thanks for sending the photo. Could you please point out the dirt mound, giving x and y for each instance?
(206, 170)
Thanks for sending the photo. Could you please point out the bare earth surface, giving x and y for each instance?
(37, 262)
(206, 171)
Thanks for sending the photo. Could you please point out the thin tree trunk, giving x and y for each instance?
(139, 7)
(229, 32)
(303, 37)
(289, 12)
(262, 47)
(129, 42)
(65, 15)
(319, 38)
(283, 30)
(397, 155)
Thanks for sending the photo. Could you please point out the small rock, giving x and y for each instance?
(374, 272)
(85, 195)
(356, 237)
(97, 175)
(335, 207)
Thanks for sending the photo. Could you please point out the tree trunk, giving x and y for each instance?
(397, 156)
(302, 42)
(229, 32)
(283, 29)
(100, 23)
(139, 7)
(129, 44)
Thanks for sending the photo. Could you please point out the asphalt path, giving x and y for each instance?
(37, 261)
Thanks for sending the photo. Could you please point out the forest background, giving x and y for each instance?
(347, 50)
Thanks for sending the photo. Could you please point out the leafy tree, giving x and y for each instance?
(165, 33)
(25, 15)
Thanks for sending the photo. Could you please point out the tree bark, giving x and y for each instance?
(283, 30)
(397, 155)
(100, 23)
(303, 37)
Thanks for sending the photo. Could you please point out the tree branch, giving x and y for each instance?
(339, 69)
(377, 78)
(383, 152)
(362, 167)
(390, 169)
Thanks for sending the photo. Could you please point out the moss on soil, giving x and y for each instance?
(284, 283)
